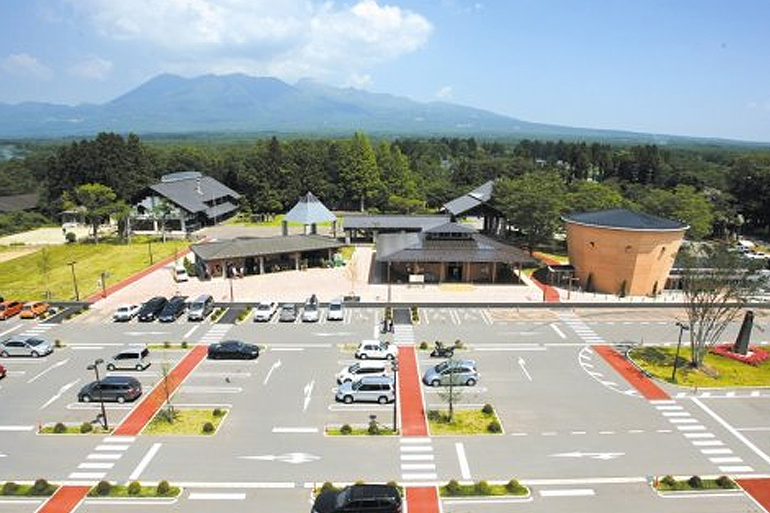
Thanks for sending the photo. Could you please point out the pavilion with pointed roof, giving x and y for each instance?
(477, 203)
(309, 212)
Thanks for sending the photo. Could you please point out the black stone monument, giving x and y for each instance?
(741, 345)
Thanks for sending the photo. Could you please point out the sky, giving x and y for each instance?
(680, 67)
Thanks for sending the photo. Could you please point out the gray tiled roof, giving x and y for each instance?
(413, 247)
(478, 196)
(392, 222)
(621, 218)
(186, 193)
(309, 210)
(450, 228)
(262, 246)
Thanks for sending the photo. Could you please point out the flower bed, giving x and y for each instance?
(753, 356)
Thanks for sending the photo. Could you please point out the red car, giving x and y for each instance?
(2, 371)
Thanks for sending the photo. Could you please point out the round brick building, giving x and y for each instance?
(622, 252)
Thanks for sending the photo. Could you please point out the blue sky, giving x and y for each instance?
(688, 67)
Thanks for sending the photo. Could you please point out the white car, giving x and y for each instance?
(265, 311)
(335, 312)
(358, 370)
(310, 312)
(376, 350)
(126, 312)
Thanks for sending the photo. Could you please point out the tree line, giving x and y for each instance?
(717, 191)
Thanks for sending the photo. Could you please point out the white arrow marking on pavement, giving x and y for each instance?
(60, 393)
(270, 372)
(49, 369)
(522, 364)
(591, 455)
(308, 391)
(335, 334)
(291, 457)
(558, 331)
(142, 333)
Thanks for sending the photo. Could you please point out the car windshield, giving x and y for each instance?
(335, 307)
(441, 367)
(342, 497)
(354, 367)
(288, 308)
(311, 307)
(34, 341)
(263, 307)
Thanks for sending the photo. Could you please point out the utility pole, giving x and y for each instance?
(682, 328)
(74, 280)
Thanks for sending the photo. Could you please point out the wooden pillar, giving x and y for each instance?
(494, 272)
(261, 265)
(284, 228)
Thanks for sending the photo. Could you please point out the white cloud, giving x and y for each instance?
(358, 81)
(289, 39)
(25, 65)
(94, 68)
(445, 93)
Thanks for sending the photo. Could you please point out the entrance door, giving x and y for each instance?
(454, 272)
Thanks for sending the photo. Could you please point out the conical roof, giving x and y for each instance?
(309, 210)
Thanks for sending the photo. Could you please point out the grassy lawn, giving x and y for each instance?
(72, 429)
(659, 361)
(40, 489)
(22, 277)
(359, 431)
(669, 484)
(140, 492)
(482, 489)
(465, 422)
(188, 422)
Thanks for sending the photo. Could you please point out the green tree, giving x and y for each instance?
(98, 202)
(683, 204)
(533, 203)
(359, 173)
(749, 183)
(586, 196)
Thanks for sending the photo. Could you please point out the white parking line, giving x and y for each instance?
(732, 430)
(112, 447)
(95, 466)
(295, 430)
(417, 457)
(104, 456)
(144, 462)
(558, 331)
(717, 451)
(576, 492)
(416, 448)
(200, 496)
(726, 459)
(17, 428)
(465, 470)
(735, 468)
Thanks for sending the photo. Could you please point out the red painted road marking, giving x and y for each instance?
(64, 500)
(141, 415)
(550, 294)
(634, 376)
(422, 499)
(409, 394)
(758, 489)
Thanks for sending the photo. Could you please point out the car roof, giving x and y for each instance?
(377, 379)
(365, 491)
(119, 379)
(368, 363)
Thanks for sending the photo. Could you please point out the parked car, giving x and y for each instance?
(130, 359)
(265, 311)
(310, 312)
(369, 389)
(376, 350)
(180, 274)
(358, 370)
(112, 388)
(152, 308)
(288, 312)
(200, 308)
(125, 313)
(25, 346)
(359, 498)
(455, 372)
(8, 309)
(173, 309)
(335, 312)
(3, 372)
(233, 350)
(33, 309)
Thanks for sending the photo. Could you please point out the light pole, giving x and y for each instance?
(74, 280)
(95, 367)
(394, 366)
(682, 328)
(149, 248)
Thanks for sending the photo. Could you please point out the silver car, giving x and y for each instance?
(25, 346)
(335, 312)
(379, 389)
(454, 372)
(310, 312)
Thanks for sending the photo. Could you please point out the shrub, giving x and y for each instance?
(71, 237)
(724, 482)
(513, 486)
(218, 412)
(184, 344)
(452, 487)
(59, 428)
(392, 483)
(57, 343)
(487, 409)
(459, 344)
(346, 429)
(494, 427)
(134, 488)
(668, 481)
(327, 487)
(434, 415)
(423, 345)
(86, 427)
(40, 487)
(10, 488)
(482, 488)
(374, 428)
(166, 344)
(163, 488)
(695, 482)
(208, 427)
(103, 488)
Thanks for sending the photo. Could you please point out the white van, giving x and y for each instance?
(180, 273)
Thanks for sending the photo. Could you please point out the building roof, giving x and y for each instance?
(18, 202)
(309, 210)
(622, 219)
(244, 247)
(392, 222)
(415, 247)
(467, 202)
(192, 192)
(449, 228)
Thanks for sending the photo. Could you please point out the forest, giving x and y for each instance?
(718, 191)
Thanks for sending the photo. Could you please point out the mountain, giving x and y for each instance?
(170, 104)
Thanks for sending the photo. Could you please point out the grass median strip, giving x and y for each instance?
(185, 421)
(483, 489)
(85, 428)
(718, 371)
(134, 490)
(464, 422)
(40, 488)
(694, 484)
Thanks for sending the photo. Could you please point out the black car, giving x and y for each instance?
(112, 388)
(152, 308)
(233, 350)
(173, 309)
(359, 498)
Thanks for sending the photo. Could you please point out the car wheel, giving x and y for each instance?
(470, 382)
(347, 399)
(139, 367)
(390, 357)
(121, 399)
(4, 354)
(110, 367)
(383, 400)
(363, 356)
(435, 383)
(34, 354)
(86, 398)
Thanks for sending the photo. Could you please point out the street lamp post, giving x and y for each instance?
(394, 366)
(149, 248)
(682, 328)
(74, 280)
(95, 367)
